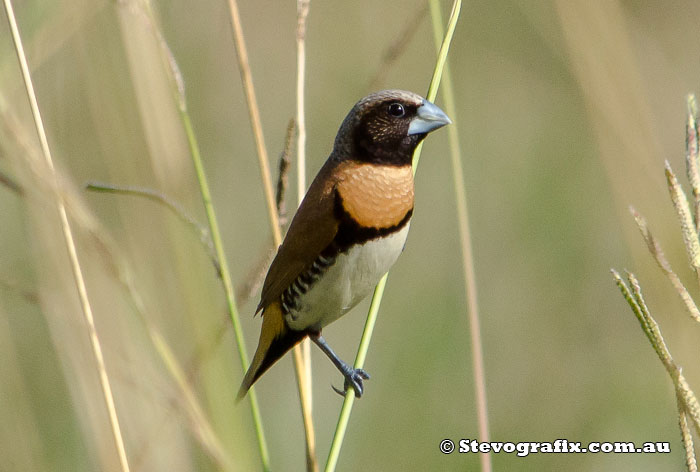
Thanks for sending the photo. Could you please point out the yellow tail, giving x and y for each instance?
(275, 340)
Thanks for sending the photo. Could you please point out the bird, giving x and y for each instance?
(348, 231)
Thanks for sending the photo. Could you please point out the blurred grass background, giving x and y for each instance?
(566, 113)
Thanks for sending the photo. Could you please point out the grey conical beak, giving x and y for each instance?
(428, 117)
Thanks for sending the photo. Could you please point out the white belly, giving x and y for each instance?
(344, 284)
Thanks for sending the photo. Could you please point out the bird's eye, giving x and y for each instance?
(396, 109)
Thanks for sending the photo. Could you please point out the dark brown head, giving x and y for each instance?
(385, 127)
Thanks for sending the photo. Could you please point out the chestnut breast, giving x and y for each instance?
(375, 196)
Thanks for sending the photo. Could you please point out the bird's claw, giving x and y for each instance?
(353, 379)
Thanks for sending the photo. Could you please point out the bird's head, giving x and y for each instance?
(385, 127)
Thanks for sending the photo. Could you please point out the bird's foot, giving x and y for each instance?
(353, 379)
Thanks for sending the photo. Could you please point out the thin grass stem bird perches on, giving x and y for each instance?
(346, 409)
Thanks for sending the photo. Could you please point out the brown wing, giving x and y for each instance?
(312, 229)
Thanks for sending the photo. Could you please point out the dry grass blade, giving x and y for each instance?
(632, 302)
(247, 78)
(199, 423)
(651, 328)
(660, 257)
(254, 113)
(303, 7)
(70, 244)
(691, 155)
(686, 436)
(680, 203)
(117, 265)
(167, 202)
(470, 287)
(283, 173)
(302, 353)
(688, 406)
(178, 92)
(690, 401)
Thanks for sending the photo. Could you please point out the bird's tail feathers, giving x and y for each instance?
(275, 340)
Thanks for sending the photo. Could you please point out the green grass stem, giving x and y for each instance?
(300, 368)
(469, 277)
(348, 402)
(225, 278)
(178, 91)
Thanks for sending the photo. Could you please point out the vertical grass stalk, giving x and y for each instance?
(466, 246)
(178, 90)
(254, 114)
(303, 354)
(225, 278)
(302, 14)
(70, 244)
(348, 402)
(687, 437)
(253, 110)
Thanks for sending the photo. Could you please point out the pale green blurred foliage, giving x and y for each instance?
(567, 111)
